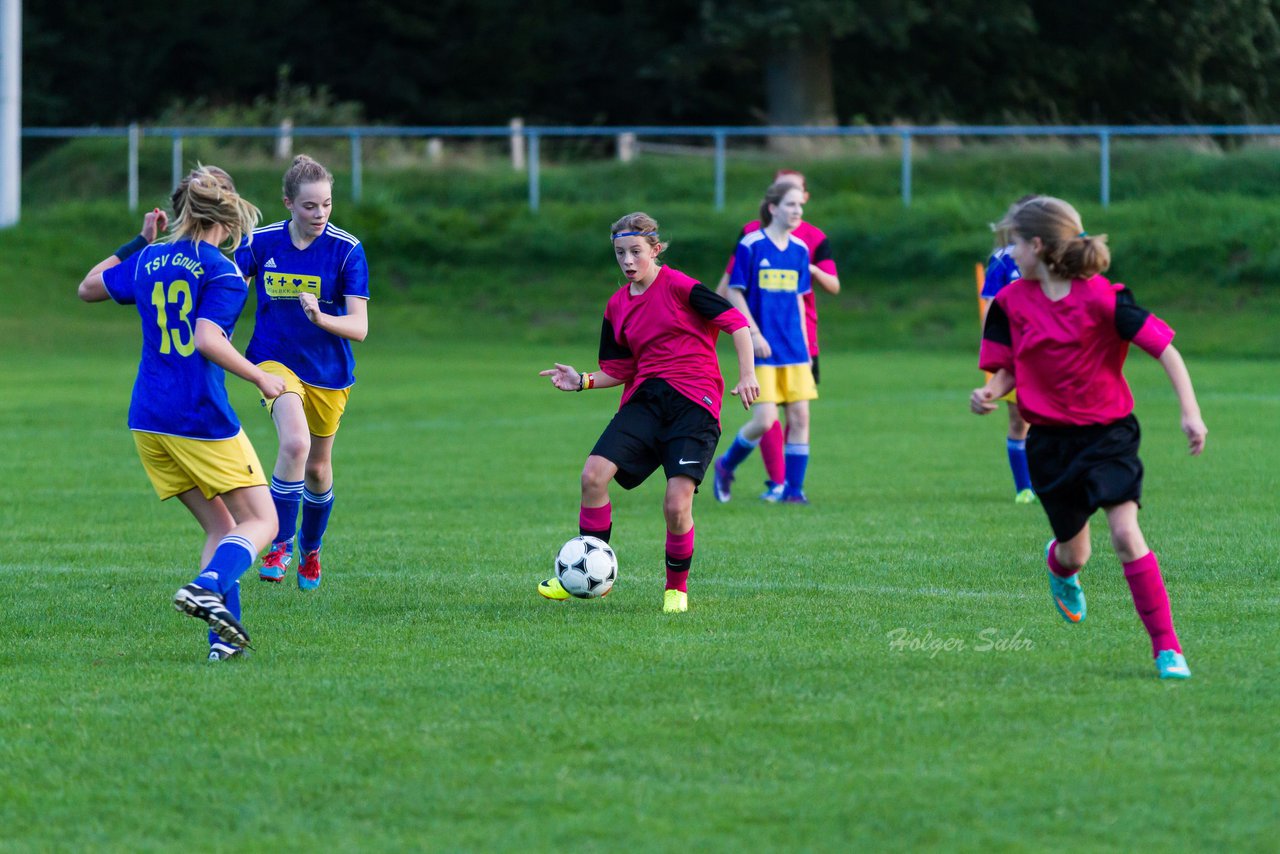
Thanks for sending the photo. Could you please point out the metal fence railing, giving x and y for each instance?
(525, 142)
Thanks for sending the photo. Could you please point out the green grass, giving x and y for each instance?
(426, 698)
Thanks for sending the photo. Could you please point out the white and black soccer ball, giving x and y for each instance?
(587, 567)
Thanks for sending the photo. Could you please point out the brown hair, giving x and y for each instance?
(773, 196)
(304, 170)
(645, 225)
(1069, 251)
(205, 198)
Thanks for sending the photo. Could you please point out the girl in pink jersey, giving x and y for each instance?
(658, 342)
(1064, 331)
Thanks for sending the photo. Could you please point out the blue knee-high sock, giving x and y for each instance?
(232, 600)
(287, 496)
(1018, 463)
(233, 556)
(797, 457)
(738, 451)
(315, 519)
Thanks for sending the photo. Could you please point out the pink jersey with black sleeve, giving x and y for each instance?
(668, 332)
(819, 255)
(1067, 357)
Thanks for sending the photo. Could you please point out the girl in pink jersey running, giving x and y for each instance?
(659, 342)
(1064, 331)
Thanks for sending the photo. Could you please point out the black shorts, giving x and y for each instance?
(1076, 470)
(814, 368)
(659, 426)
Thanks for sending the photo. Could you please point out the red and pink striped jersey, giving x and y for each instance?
(1067, 357)
(819, 255)
(668, 332)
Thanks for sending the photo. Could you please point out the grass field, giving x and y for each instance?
(425, 698)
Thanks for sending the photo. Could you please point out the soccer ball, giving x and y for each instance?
(586, 567)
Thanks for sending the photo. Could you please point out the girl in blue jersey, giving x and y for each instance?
(189, 296)
(1000, 271)
(770, 278)
(312, 283)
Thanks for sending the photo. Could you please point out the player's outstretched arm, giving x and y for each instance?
(567, 378)
(983, 400)
(212, 343)
(1192, 424)
(748, 387)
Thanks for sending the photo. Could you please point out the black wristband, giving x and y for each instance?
(131, 247)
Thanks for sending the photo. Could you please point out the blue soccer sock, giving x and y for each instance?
(1018, 464)
(315, 519)
(738, 451)
(797, 457)
(234, 555)
(232, 600)
(287, 496)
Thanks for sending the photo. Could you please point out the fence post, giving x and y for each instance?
(357, 176)
(906, 168)
(284, 140)
(719, 138)
(135, 134)
(534, 192)
(626, 146)
(517, 144)
(177, 160)
(1104, 146)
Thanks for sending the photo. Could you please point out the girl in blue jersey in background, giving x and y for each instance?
(312, 283)
(189, 296)
(770, 277)
(1000, 271)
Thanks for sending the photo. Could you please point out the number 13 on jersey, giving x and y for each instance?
(178, 293)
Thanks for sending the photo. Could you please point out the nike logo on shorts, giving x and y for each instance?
(684, 462)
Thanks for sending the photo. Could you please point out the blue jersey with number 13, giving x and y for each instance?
(178, 391)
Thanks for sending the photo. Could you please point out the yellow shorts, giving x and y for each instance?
(323, 406)
(786, 384)
(176, 464)
(1012, 396)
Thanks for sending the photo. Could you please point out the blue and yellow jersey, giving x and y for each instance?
(178, 391)
(772, 279)
(332, 267)
(1000, 271)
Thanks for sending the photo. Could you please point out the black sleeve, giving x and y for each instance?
(823, 252)
(996, 329)
(609, 346)
(1130, 316)
(707, 302)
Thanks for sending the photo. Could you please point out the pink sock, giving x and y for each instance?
(771, 451)
(679, 558)
(596, 521)
(1152, 602)
(1055, 567)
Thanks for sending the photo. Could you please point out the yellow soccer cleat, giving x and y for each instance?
(675, 602)
(1026, 496)
(553, 589)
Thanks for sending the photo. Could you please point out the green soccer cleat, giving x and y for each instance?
(553, 589)
(675, 602)
(1026, 496)
(1171, 665)
(1068, 596)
